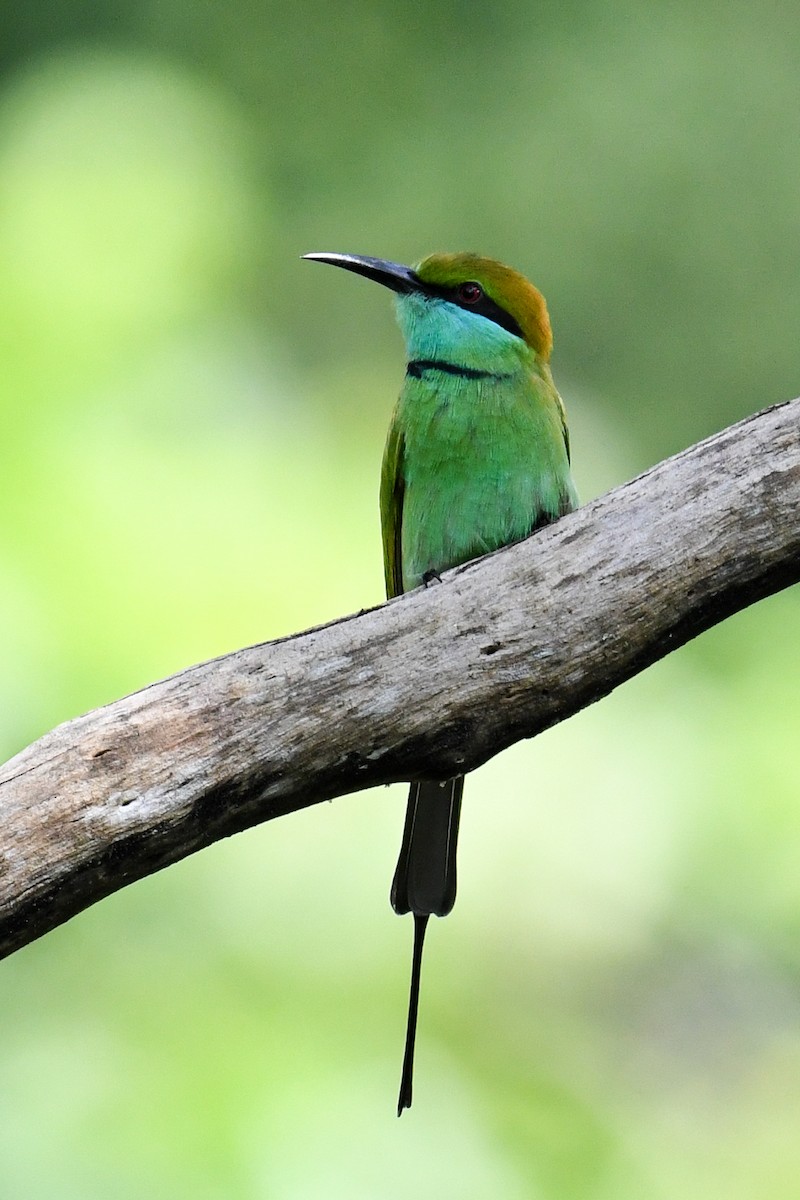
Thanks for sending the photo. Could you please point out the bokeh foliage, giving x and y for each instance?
(192, 426)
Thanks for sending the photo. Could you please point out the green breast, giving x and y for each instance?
(483, 462)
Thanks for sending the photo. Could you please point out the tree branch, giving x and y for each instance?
(433, 683)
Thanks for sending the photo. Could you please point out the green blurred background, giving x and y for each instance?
(192, 425)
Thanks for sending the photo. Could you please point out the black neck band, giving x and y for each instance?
(419, 365)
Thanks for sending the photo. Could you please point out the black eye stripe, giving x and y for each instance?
(493, 312)
(485, 306)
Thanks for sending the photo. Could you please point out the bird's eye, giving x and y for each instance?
(469, 293)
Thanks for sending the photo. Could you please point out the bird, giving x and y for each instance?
(477, 457)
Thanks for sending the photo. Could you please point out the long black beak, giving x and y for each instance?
(391, 274)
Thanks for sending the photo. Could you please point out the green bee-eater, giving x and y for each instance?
(477, 456)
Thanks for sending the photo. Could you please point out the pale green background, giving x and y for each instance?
(192, 424)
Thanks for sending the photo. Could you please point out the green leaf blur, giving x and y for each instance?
(192, 425)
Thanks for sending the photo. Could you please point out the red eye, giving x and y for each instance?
(469, 293)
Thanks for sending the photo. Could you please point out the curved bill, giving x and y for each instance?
(391, 274)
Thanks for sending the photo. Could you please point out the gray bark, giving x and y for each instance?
(431, 684)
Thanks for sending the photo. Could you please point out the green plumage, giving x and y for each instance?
(470, 465)
(477, 457)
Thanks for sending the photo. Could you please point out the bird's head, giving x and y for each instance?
(461, 304)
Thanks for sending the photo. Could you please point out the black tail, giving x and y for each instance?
(404, 1099)
(425, 883)
(425, 878)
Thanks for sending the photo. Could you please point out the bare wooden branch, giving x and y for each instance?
(431, 684)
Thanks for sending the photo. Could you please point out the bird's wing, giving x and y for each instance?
(562, 412)
(392, 493)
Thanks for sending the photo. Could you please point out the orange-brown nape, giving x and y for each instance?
(510, 290)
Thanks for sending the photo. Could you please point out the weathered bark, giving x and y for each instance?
(431, 684)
